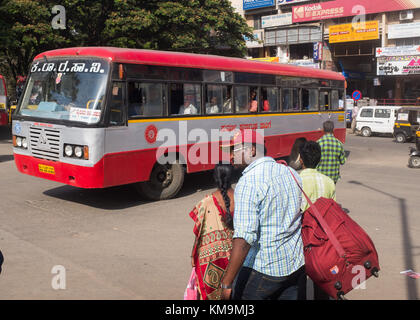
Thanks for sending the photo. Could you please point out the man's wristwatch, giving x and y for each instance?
(224, 286)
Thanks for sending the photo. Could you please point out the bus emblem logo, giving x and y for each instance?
(42, 139)
(151, 134)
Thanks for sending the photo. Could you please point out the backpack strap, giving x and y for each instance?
(321, 220)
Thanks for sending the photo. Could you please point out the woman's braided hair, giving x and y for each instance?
(223, 176)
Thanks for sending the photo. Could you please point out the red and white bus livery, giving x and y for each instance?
(4, 117)
(95, 117)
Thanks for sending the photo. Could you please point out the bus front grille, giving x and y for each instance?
(45, 143)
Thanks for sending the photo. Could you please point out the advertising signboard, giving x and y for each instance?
(276, 20)
(354, 32)
(256, 4)
(348, 8)
(397, 51)
(318, 51)
(404, 30)
(398, 65)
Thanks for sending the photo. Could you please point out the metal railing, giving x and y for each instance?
(398, 102)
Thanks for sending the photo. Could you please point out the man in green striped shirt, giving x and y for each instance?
(332, 153)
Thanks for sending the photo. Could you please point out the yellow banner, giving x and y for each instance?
(354, 32)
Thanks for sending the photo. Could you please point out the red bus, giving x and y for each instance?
(4, 118)
(95, 117)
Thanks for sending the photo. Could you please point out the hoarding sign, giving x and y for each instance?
(397, 51)
(405, 30)
(348, 8)
(256, 4)
(318, 50)
(259, 36)
(398, 65)
(305, 63)
(354, 32)
(276, 20)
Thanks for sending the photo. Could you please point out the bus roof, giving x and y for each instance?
(191, 60)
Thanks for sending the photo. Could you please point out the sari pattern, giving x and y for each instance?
(212, 247)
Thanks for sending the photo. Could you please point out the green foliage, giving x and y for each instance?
(200, 26)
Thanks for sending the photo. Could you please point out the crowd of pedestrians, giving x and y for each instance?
(248, 242)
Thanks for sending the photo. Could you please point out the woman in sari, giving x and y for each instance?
(213, 231)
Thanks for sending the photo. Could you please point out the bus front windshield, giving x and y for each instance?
(71, 90)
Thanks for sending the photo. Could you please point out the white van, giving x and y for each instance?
(376, 119)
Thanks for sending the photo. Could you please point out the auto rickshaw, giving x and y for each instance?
(406, 123)
(414, 159)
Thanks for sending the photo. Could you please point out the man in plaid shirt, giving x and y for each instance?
(332, 153)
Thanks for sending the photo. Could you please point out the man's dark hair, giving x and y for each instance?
(328, 126)
(310, 153)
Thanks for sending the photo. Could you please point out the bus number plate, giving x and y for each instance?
(46, 169)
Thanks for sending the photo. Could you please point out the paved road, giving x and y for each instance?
(115, 246)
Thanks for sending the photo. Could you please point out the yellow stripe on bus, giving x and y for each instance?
(230, 116)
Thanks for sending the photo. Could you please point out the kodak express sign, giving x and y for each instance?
(348, 8)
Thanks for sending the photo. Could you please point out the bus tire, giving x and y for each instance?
(165, 182)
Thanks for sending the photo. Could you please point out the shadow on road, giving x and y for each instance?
(5, 133)
(6, 157)
(407, 244)
(123, 197)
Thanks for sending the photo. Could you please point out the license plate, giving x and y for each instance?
(46, 169)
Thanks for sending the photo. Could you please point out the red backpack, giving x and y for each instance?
(339, 255)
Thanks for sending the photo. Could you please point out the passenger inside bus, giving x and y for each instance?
(227, 105)
(188, 107)
(253, 103)
(212, 106)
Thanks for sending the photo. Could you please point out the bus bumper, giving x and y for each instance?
(77, 176)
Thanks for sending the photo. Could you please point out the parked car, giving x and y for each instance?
(376, 119)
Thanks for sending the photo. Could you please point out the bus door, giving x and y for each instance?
(324, 100)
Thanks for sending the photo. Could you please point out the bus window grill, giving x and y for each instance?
(50, 149)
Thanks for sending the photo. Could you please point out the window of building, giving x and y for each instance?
(408, 42)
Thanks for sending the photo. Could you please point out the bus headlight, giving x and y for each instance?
(25, 143)
(78, 151)
(68, 150)
(19, 142)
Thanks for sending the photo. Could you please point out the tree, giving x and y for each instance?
(200, 26)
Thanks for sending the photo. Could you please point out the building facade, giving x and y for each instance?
(375, 44)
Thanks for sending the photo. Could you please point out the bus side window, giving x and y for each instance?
(144, 99)
(287, 99)
(185, 99)
(269, 99)
(241, 99)
(117, 114)
(309, 99)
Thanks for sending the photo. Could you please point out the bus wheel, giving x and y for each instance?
(165, 182)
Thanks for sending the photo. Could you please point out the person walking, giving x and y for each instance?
(332, 153)
(315, 185)
(213, 230)
(267, 250)
(354, 113)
